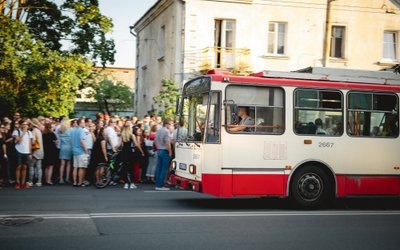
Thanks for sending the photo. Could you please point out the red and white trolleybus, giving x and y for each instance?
(311, 136)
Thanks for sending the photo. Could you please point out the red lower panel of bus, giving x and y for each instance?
(226, 185)
(367, 185)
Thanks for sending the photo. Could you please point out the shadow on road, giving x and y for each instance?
(285, 204)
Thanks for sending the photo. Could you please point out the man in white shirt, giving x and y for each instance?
(89, 139)
(112, 139)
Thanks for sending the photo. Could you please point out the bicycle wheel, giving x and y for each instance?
(102, 176)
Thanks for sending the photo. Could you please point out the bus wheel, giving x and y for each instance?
(310, 187)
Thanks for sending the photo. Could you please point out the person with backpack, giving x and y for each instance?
(23, 146)
(35, 166)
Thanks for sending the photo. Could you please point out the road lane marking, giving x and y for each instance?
(204, 214)
(169, 191)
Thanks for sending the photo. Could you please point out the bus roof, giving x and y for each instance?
(319, 77)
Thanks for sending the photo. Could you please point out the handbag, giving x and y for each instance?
(36, 144)
(149, 147)
(150, 151)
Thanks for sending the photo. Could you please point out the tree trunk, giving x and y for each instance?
(106, 107)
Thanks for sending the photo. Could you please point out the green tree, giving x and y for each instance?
(165, 101)
(78, 22)
(111, 96)
(33, 79)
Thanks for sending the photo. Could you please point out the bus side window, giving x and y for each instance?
(264, 105)
(318, 112)
(372, 114)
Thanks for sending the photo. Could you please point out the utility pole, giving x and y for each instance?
(327, 34)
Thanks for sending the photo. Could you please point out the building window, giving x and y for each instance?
(372, 114)
(337, 41)
(224, 34)
(276, 38)
(318, 112)
(390, 45)
(224, 43)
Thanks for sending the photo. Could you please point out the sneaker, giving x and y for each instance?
(87, 183)
(162, 189)
(29, 183)
(11, 181)
(133, 186)
(25, 186)
(17, 186)
(126, 186)
(38, 184)
(61, 182)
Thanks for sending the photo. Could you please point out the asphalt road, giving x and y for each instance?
(63, 217)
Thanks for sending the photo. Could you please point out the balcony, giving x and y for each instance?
(234, 60)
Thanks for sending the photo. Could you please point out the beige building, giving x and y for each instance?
(179, 39)
(88, 107)
(124, 75)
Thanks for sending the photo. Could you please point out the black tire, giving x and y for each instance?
(310, 188)
(102, 176)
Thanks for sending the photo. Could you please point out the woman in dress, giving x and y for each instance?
(128, 154)
(64, 135)
(99, 152)
(50, 153)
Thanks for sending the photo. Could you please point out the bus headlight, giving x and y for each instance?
(173, 165)
(192, 169)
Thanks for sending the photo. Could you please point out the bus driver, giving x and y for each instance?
(245, 120)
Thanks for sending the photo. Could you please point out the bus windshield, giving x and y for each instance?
(193, 116)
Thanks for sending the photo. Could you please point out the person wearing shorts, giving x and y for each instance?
(80, 154)
(23, 145)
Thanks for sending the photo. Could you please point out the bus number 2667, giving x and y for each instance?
(326, 144)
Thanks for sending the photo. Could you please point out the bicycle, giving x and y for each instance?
(107, 172)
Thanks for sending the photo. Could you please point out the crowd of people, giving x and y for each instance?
(46, 151)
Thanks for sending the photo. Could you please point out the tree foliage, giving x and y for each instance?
(33, 79)
(39, 75)
(165, 101)
(76, 22)
(111, 96)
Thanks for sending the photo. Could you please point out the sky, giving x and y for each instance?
(124, 13)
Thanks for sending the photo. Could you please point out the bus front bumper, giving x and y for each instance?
(186, 184)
